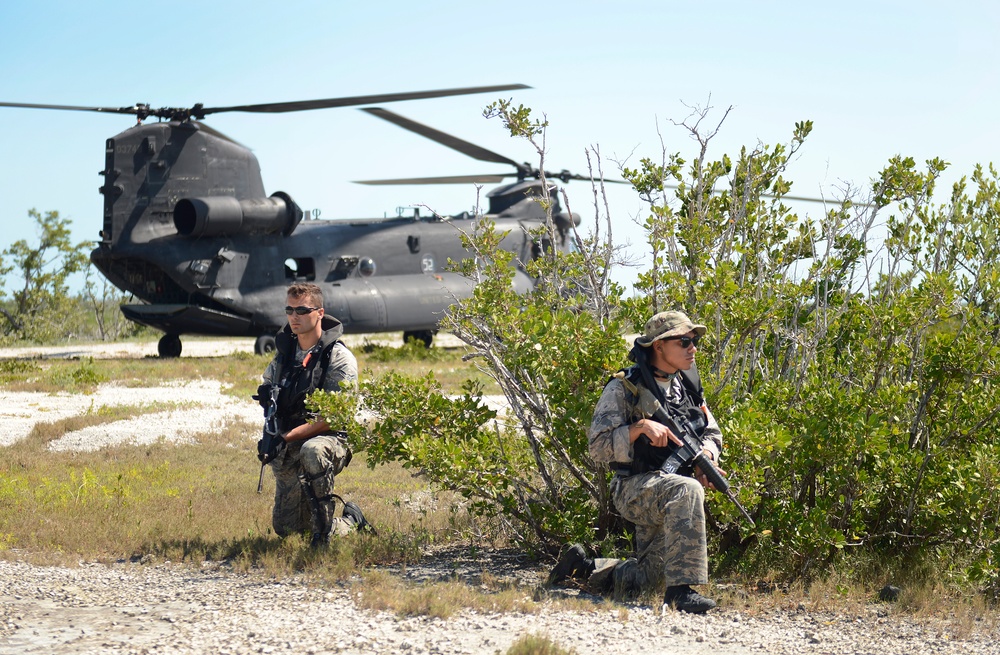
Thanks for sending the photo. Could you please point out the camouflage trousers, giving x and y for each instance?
(314, 462)
(669, 516)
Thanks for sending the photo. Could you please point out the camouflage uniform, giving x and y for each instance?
(667, 509)
(317, 460)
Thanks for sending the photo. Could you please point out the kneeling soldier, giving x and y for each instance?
(666, 507)
(309, 356)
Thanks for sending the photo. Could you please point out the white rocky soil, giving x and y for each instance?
(135, 608)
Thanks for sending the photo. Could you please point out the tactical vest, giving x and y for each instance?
(688, 406)
(298, 380)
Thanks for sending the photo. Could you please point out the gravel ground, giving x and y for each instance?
(165, 608)
(132, 608)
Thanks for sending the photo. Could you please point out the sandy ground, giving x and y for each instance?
(192, 347)
(197, 404)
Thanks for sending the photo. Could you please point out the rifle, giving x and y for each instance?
(270, 443)
(688, 454)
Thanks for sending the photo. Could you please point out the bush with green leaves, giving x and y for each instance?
(851, 360)
(527, 468)
(854, 374)
(40, 302)
(40, 308)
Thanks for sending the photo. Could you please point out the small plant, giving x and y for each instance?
(413, 350)
(17, 369)
(85, 375)
(534, 644)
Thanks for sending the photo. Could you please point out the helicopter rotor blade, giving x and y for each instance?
(107, 110)
(565, 176)
(488, 178)
(304, 105)
(453, 142)
(823, 201)
(466, 148)
(492, 178)
(199, 111)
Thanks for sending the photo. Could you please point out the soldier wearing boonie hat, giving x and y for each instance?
(668, 324)
(666, 508)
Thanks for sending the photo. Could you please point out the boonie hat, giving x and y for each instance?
(668, 324)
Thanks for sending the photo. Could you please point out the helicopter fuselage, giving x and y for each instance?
(189, 232)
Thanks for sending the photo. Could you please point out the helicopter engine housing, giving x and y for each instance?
(228, 216)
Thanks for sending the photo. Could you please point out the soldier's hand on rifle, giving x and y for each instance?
(269, 448)
(701, 477)
(262, 395)
(659, 435)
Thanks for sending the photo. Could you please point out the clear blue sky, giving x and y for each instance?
(877, 78)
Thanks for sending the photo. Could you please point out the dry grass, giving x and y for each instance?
(194, 502)
(532, 644)
(846, 593)
(382, 591)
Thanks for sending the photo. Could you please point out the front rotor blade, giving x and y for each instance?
(453, 142)
(303, 105)
(452, 179)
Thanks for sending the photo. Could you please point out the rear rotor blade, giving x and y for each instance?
(823, 201)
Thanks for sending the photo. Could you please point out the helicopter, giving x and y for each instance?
(189, 231)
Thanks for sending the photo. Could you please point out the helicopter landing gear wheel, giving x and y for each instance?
(426, 337)
(264, 345)
(169, 346)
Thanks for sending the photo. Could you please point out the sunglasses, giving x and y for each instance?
(685, 341)
(300, 310)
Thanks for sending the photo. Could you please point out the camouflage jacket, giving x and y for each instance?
(617, 410)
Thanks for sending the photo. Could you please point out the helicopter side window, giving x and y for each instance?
(300, 269)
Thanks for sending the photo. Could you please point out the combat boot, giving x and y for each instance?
(685, 599)
(353, 513)
(573, 562)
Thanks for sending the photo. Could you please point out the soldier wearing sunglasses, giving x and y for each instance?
(666, 508)
(309, 355)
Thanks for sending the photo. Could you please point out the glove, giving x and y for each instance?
(263, 395)
(269, 447)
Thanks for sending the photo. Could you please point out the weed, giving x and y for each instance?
(17, 370)
(534, 644)
(381, 591)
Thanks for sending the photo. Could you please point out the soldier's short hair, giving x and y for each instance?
(307, 290)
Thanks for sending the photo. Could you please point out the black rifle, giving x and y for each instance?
(270, 443)
(673, 458)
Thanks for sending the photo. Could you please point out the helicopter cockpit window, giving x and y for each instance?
(300, 269)
(366, 267)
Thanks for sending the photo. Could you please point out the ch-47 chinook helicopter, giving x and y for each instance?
(189, 231)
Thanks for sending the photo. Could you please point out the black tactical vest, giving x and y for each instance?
(298, 380)
(687, 405)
